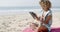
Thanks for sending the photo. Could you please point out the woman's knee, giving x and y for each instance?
(42, 29)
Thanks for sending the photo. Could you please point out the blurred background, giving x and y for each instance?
(5, 4)
(14, 14)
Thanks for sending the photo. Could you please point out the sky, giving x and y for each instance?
(25, 3)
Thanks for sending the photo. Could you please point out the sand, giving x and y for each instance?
(17, 22)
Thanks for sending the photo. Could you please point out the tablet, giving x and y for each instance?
(33, 15)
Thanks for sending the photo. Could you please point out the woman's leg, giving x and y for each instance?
(42, 29)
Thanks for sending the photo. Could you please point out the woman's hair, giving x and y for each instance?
(45, 2)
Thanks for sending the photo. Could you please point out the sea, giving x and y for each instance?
(12, 10)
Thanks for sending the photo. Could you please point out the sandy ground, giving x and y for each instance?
(17, 22)
(56, 20)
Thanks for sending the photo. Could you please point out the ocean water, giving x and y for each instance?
(18, 10)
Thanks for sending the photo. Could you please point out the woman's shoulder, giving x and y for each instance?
(49, 12)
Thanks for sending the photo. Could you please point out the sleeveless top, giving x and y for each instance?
(46, 14)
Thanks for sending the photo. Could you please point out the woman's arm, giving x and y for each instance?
(47, 19)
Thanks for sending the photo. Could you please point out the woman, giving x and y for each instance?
(46, 18)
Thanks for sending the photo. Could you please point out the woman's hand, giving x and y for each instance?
(37, 18)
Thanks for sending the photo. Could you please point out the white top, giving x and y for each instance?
(45, 14)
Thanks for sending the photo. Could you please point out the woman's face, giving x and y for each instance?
(44, 7)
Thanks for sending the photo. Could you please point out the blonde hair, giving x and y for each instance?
(47, 3)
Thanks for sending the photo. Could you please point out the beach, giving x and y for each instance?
(16, 22)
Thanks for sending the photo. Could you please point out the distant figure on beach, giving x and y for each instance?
(31, 28)
(46, 16)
